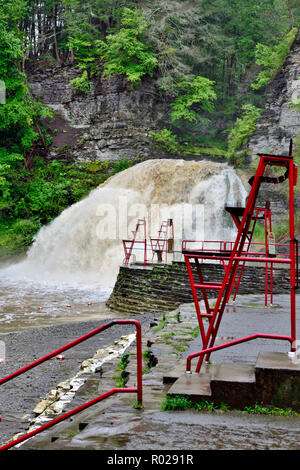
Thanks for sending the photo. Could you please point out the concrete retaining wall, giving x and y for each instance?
(164, 287)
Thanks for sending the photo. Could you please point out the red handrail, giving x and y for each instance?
(233, 343)
(137, 389)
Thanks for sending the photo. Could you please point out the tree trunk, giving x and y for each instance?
(290, 13)
(55, 33)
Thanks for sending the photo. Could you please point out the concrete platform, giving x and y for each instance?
(278, 361)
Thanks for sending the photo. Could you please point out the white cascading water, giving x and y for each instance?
(84, 244)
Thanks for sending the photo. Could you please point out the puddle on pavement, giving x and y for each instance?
(189, 431)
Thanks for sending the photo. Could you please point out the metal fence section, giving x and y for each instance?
(137, 389)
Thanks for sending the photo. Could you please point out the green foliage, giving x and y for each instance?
(270, 410)
(183, 403)
(122, 52)
(19, 114)
(123, 362)
(121, 165)
(82, 83)
(171, 41)
(271, 58)
(125, 51)
(193, 91)
(168, 142)
(243, 129)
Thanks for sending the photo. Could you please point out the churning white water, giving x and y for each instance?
(84, 244)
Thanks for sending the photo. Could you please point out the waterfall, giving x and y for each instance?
(84, 244)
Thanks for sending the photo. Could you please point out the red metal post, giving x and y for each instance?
(195, 297)
(232, 266)
(292, 254)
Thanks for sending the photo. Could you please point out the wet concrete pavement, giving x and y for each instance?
(115, 424)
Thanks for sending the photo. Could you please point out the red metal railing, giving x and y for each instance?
(233, 343)
(137, 389)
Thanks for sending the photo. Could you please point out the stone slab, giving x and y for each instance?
(173, 374)
(193, 385)
(218, 372)
(244, 373)
(277, 361)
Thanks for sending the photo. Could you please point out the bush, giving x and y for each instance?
(243, 129)
(271, 58)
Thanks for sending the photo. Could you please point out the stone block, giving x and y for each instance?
(278, 380)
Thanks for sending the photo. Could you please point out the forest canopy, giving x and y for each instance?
(180, 43)
(210, 60)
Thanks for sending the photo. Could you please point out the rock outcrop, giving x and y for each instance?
(280, 122)
(109, 123)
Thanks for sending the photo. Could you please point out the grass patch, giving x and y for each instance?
(177, 347)
(183, 403)
(164, 320)
(122, 376)
(270, 410)
(194, 332)
(150, 361)
(137, 405)
(161, 323)
(169, 335)
(123, 362)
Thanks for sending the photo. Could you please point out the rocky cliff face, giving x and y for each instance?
(279, 122)
(111, 122)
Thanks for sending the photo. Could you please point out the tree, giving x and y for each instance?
(125, 52)
(19, 115)
(193, 91)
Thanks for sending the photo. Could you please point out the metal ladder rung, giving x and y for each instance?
(208, 286)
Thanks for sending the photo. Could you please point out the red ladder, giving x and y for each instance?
(266, 216)
(129, 244)
(165, 240)
(236, 256)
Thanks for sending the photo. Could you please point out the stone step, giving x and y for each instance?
(278, 379)
(274, 380)
(173, 374)
(196, 386)
(233, 384)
